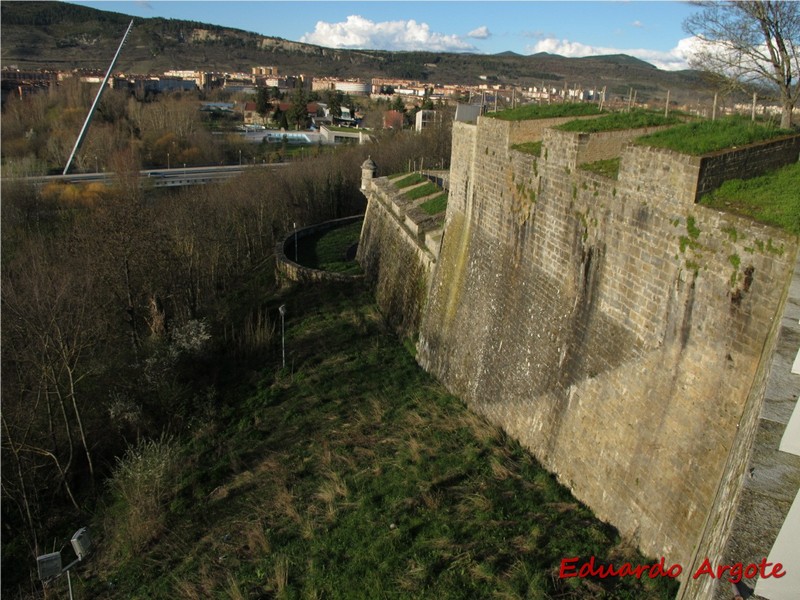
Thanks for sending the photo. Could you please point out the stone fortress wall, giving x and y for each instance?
(616, 328)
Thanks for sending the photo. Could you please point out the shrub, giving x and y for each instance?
(141, 486)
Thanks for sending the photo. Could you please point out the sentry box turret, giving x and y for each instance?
(81, 543)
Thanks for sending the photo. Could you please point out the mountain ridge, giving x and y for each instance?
(65, 36)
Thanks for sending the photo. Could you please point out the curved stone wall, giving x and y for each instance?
(296, 272)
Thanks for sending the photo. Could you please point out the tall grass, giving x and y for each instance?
(141, 485)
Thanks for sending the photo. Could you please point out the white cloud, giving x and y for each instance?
(671, 60)
(481, 33)
(358, 32)
(637, 24)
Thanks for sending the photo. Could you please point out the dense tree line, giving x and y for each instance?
(122, 304)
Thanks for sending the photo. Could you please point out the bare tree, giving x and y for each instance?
(751, 42)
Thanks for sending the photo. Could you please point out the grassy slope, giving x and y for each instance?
(352, 474)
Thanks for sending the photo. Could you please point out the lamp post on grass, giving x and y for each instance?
(282, 310)
(295, 241)
(49, 565)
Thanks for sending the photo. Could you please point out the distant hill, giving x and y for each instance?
(65, 36)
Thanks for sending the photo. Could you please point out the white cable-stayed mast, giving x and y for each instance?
(88, 120)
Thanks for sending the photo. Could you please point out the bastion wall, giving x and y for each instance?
(616, 328)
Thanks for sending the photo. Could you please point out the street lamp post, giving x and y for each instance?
(240, 158)
(49, 565)
(167, 161)
(282, 310)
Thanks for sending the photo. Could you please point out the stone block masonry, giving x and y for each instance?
(613, 326)
(397, 260)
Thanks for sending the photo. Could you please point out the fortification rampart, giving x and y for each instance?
(397, 254)
(613, 326)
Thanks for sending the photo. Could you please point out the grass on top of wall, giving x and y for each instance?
(408, 180)
(422, 191)
(635, 119)
(606, 168)
(772, 199)
(534, 148)
(529, 112)
(435, 205)
(701, 137)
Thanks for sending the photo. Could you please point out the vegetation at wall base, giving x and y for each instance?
(529, 112)
(606, 168)
(773, 199)
(704, 136)
(353, 474)
(635, 119)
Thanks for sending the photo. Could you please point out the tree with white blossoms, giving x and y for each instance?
(752, 42)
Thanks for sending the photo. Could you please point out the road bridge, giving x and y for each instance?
(174, 177)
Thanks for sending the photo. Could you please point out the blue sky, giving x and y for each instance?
(650, 30)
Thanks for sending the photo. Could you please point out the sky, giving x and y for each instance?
(649, 30)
